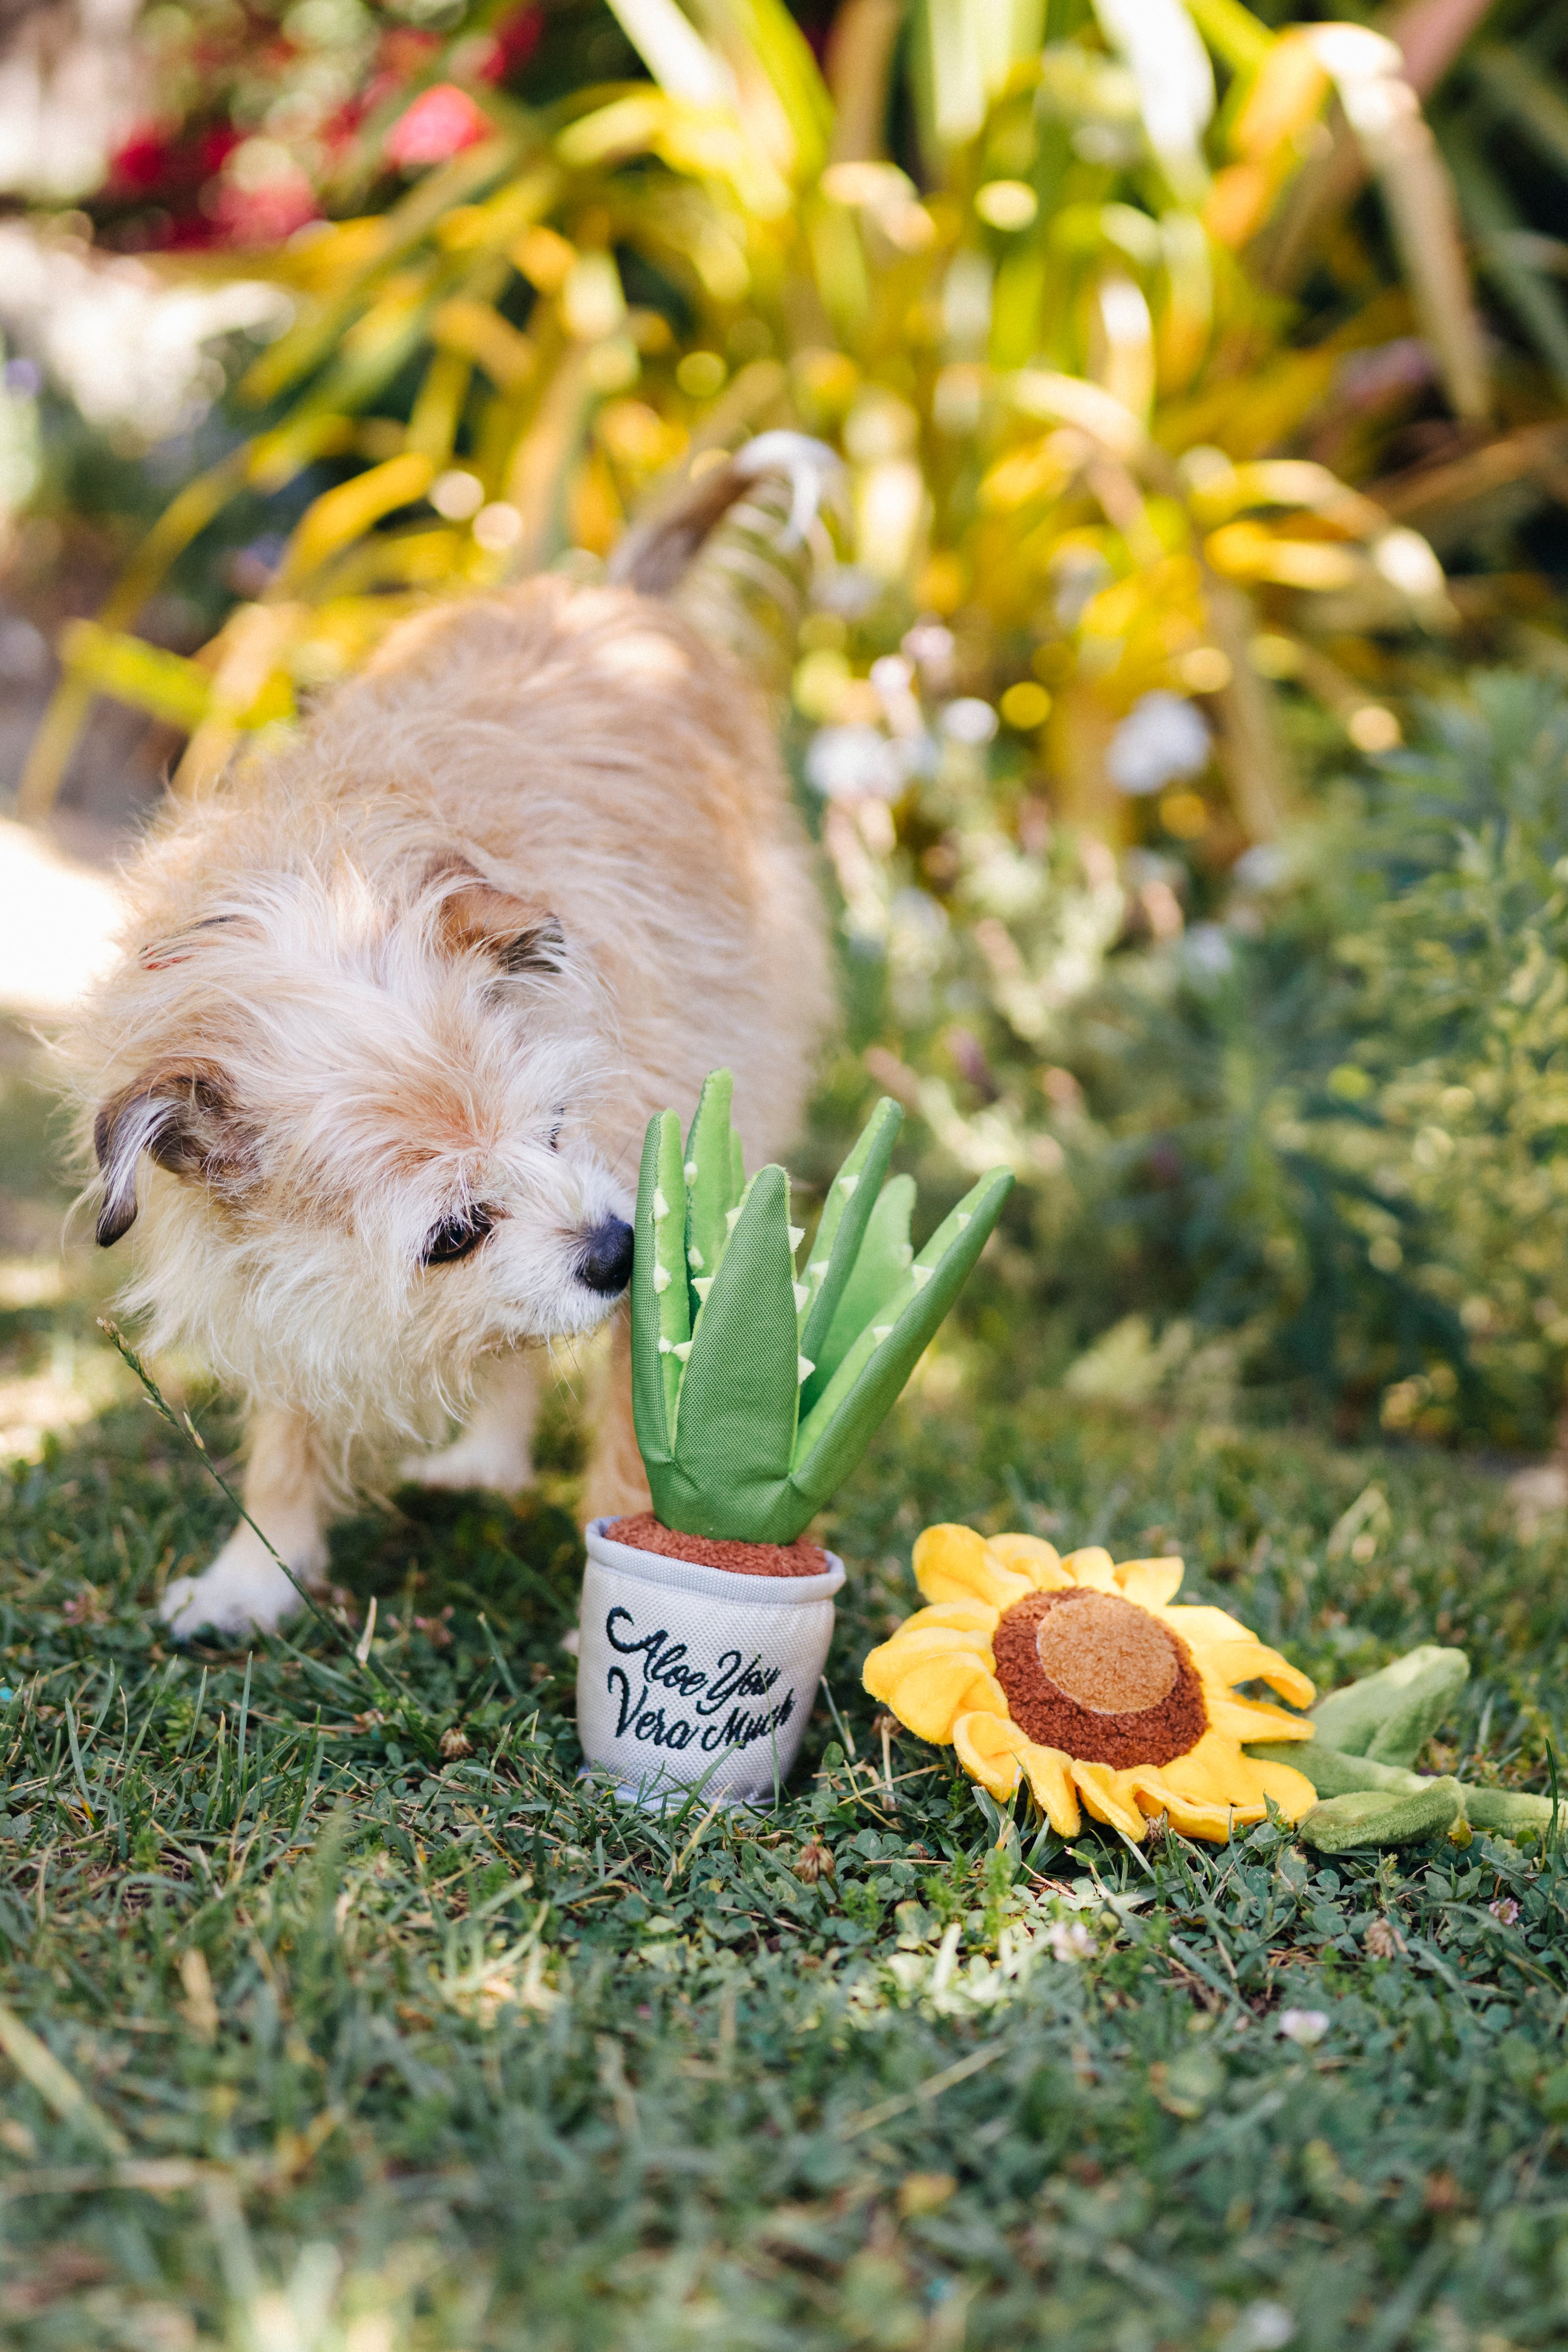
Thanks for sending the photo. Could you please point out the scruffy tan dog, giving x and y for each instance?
(396, 1002)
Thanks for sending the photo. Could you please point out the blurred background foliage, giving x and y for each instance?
(1180, 701)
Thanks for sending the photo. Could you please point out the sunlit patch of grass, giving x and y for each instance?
(540, 2072)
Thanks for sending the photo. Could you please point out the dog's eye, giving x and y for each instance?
(558, 1122)
(457, 1236)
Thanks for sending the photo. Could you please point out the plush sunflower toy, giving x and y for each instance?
(1082, 1678)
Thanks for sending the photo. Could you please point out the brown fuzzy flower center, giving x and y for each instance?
(1098, 1677)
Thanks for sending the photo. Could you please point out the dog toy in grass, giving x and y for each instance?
(1368, 1738)
(1082, 1679)
(756, 1391)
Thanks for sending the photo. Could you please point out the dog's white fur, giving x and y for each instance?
(509, 892)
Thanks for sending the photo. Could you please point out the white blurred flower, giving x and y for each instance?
(929, 646)
(1077, 575)
(1406, 562)
(1262, 2327)
(128, 349)
(1072, 1939)
(1163, 737)
(496, 527)
(72, 82)
(847, 589)
(1262, 867)
(893, 678)
(968, 721)
(1305, 2027)
(844, 762)
(1206, 951)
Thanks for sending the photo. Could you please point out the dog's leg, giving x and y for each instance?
(616, 1485)
(496, 1449)
(284, 1494)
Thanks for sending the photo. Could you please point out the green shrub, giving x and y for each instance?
(1333, 1124)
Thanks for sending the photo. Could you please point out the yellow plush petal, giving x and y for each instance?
(1192, 1816)
(886, 1668)
(1213, 1771)
(988, 1748)
(1108, 1796)
(1291, 1790)
(1247, 1718)
(932, 1693)
(1149, 1582)
(1092, 1565)
(1248, 1660)
(954, 1563)
(1030, 1556)
(1200, 1627)
(963, 1616)
(912, 1643)
(1050, 1775)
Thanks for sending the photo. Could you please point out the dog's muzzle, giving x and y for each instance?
(606, 1262)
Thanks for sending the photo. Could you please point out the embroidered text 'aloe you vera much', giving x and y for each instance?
(755, 1387)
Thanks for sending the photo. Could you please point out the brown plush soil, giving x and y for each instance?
(647, 1534)
(1097, 1677)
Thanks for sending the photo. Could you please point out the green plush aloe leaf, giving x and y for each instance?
(659, 1308)
(1382, 1817)
(884, 1260)
(837, 1247)
(666, 1228)
(1510, 1811)
(740, 1398)
(709, 1177)
(1392, 1715)
(1334, 1773)
(839, 1426)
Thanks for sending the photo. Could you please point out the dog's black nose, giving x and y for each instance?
(605, 1264)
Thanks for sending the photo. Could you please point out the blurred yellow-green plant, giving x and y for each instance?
(1062, 372)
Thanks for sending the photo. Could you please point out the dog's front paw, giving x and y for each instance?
(243, 1591)
(484, 1459)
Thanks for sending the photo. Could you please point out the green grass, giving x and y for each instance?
(470, 2059)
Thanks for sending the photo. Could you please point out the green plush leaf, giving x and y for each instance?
(737, 1167)
(740, 1397)
(661, 1232)
(710, 1179)
(840, 1425)
(656, 1372)
(1392, 1715)
(1334, 1773)
(885, 1258)
(1509, 1812)
(1382, 1817)
(838, 1251)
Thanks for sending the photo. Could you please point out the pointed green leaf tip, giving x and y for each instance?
(756, 1385)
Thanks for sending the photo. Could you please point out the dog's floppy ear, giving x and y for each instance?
(518, 934)
(186, 1119)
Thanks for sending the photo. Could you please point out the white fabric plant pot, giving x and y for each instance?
(696, 1678)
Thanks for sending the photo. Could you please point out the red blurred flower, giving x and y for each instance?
(262, 196)
(512, 42)
(141, 160)
(438, 123)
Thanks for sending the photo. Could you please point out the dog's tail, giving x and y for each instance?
(738, 547)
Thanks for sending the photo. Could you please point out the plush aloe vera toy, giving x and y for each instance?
(756, 1389)
(1369, 1736)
